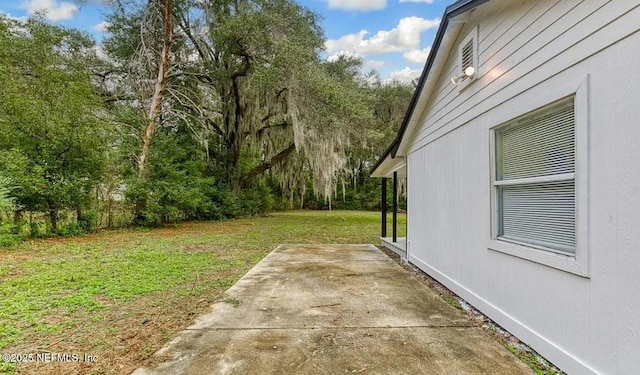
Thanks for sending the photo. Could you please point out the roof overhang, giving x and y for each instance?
(388, 165)
(455, 15)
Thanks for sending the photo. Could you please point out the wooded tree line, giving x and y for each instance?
(189, 109)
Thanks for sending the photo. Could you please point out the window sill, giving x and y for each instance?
(561, 262)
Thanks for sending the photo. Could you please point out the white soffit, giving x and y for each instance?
(390, 165)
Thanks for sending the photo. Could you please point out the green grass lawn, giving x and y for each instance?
(120, 295)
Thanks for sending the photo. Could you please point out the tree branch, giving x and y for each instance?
(185, 25)
(266, 165)
(112, 98)
(282, 124)
(246, 59)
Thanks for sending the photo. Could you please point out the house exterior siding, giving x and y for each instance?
(532, 53)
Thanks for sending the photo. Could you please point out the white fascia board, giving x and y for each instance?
(442, 55)
(390, 165)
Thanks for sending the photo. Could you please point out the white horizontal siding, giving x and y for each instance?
(550, 50)
(529, 53)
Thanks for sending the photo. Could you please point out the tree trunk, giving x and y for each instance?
(107, 196)
(109, 210)
(232, 168)
(139, 211)
(153, 113)
(17, 217)
(53, 217)
(154, 110)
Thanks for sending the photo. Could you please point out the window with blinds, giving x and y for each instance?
(535, 179)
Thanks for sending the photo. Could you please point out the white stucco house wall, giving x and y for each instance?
(523, 175)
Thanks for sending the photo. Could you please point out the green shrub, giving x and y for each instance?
(9, 236)
(34, 229)
(256, 201)
(72, 229)
(88, 221)
(226, 202)
(17, 228)
(9, 239)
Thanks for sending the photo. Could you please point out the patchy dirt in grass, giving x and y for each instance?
(15, 256)
(182, 229)
(195, 248)
(10, 270)
(123, 335)
(26, 250)
(204, 248)
(10, 262)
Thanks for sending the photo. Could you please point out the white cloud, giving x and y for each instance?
(404, 37)
(417, 1)
(12, 17)
(405, 75)
(336, 55)
(349, 42)
(372, 64)
(375, 64)
(102, 26)
(53, 9)
(363, 5)
(417, 56)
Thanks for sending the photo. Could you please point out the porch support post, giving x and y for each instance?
(395, 207)
(384, 207)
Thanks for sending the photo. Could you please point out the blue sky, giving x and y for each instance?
(392, 36)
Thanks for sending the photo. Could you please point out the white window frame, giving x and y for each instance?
(577, 263)
(473, 37)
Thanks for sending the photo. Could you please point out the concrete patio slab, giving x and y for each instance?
(332, 309)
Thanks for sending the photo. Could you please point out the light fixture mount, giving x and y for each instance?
(469, 72)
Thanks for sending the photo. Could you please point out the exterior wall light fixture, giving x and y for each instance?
(468, 73)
